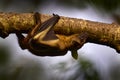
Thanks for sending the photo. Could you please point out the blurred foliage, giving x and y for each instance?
(110, 7)
(4, 54)
(82, 69)
(28, 70)
(105, 5)
(73, 3)
(4, 60)
(115, 71)
(102, 5)
(90, 72)
(19, 5)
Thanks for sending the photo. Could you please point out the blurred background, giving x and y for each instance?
(96, 62)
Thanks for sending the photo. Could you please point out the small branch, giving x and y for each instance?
(101, 33)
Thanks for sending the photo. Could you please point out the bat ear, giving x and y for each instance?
(46, 29)
(49, 23)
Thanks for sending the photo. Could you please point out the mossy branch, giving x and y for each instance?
(101, 33)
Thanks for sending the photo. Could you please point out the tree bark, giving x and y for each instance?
(100, 33)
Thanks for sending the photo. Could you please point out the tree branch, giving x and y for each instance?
(101, 33)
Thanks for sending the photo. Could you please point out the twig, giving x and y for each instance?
(100, 33)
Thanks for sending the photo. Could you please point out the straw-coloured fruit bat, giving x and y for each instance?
(42, 41)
